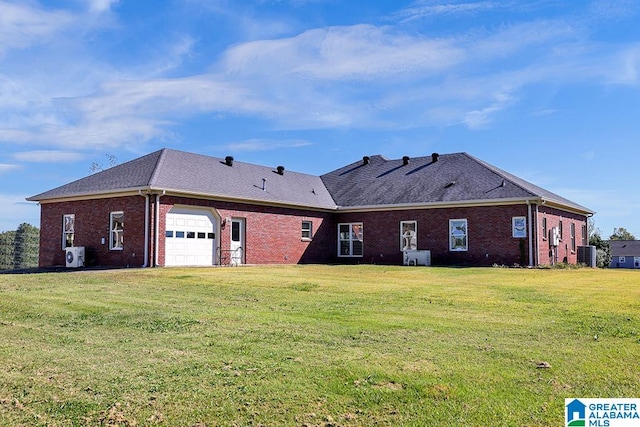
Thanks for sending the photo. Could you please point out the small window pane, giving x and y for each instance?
(306, 229)
(408, 235)
(201, 235)
(191, 234)
(211, 236)
(235, 231)
(68, 230)
(116, 240)
(169, 233)
(180, 234)
(458, 235)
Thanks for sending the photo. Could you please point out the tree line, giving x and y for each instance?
(20, 248)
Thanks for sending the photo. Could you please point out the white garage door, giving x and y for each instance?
(190, 237)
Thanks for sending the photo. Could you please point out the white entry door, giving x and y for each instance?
(237, 241)
(190, 237)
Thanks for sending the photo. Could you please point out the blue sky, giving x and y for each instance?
(548, 90)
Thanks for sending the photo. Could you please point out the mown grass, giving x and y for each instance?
(314, 345)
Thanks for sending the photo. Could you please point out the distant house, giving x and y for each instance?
(173, 208)
(625, 253)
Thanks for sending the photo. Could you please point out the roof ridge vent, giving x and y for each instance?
(405, 160)
(228, 160)
(280, 170)
(434, 157)
(366, 160)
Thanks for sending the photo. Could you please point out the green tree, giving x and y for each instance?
(603, 250)
(26, 248)
(621, 234)
(7, 248)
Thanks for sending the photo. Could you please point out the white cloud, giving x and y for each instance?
(360, 76)
(48, 156)
(356, 53)
(264, 144)
(7, 167)
(24, 24)
(15, 210)
(423, 9)
(100, 6)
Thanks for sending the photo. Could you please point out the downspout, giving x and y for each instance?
(157, 228)
(146, 228)
(536, 259)
(530, 234)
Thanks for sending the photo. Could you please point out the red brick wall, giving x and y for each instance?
(489, 235)
(273, 234)
(564, 253)
(91, 225)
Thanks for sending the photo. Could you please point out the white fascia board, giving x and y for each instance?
(92, 196)
(438, 205)
(259, 202)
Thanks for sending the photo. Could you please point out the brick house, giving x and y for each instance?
(172, 208)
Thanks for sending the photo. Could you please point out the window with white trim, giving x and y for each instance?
(350, 239)
(458, 238)
(68, 230)
(116, 231)
(307, 230)
(408, 235)
(573, 236)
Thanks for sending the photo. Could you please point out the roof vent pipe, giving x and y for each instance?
(280, 170)
(405, 160)
(366, 160)
(434, 157)
(264, 184)
(228, 160)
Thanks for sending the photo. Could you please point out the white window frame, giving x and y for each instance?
(622, 259)
(306, 232)
(353, 235)
(408, 235)
(572, 235)
(116, 233)
(68, 230)
(456, 224)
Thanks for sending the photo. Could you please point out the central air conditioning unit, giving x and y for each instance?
(74, 256)
(587, 255)
(415, 257)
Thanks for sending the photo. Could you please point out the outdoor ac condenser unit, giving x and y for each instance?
(74, 256)
(587, 255)
(414, 257)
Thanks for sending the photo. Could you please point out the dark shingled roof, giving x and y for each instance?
(453, 178)
(182, 172)
(625, 247)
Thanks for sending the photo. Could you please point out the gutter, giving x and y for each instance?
(156, 230)
(530, 225)
(146, 228)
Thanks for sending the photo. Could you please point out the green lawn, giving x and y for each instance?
(315, 345)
